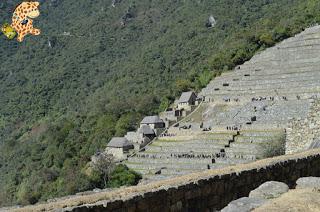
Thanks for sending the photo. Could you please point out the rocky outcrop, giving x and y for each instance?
(308, 182)
(275, 196)
(269, 190)
(244, 204)
(306, 200)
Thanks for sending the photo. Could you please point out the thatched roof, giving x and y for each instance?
(119, 142)
(146, 130)
(151, 120)
(186, 96)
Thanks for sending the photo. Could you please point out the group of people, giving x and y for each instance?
(167, 135)
(234, 128)
(264, 108)
(177, 155)
(271, 98)
(227, 99)
(192, 155)
(256, 99)
(206, 129)
(260, 98)
(223, 155)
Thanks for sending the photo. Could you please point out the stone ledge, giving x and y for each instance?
(219, 181)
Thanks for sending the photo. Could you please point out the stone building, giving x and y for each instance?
(119, 147)
(155, 123)
(171, 115)
(132, 137)
(146, 131)
(186, 100)
(141, 137)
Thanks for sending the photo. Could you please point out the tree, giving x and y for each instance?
(165, 103)
(204, 78)
(28, 192)
(104, 163)
(266, 39)
(122, 175)
(127, 122)
(183, 85)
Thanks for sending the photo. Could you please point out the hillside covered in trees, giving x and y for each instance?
(98, 68)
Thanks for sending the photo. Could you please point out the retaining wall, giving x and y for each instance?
(302, 132)
(205, 191)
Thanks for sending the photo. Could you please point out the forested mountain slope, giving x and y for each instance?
(97, 69)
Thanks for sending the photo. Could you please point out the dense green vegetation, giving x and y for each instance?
(60, 103)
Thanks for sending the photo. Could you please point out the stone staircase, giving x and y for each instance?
(244, 115)
(169, 157)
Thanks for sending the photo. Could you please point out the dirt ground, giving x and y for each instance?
(298, 200)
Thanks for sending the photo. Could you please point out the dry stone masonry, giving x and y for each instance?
(304, 134)
(265, 107)
(206, 191)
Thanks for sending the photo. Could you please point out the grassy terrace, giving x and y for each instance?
(195, 137)
(162, 164)
(257, 139)
(179, 142)
(196, 116)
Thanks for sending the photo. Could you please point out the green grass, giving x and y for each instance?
(263, 130)
(197, 115)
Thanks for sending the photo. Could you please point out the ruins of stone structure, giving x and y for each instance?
(122, 147)
(119, 147)
(246, 115)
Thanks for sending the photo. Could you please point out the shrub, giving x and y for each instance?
(123, 176)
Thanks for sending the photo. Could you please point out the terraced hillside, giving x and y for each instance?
(245, 112)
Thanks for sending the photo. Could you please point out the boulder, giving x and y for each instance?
(269, 190)
(211, 22)
(244, 204)
(308, 182)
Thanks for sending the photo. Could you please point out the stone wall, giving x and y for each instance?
(206, 191)
(302, 132)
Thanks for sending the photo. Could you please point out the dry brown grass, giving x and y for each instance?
(125, 193)
(304, 200)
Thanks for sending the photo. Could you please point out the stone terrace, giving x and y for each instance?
(289, 69)
(206, 191)
(179, 155)
(245, 113)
